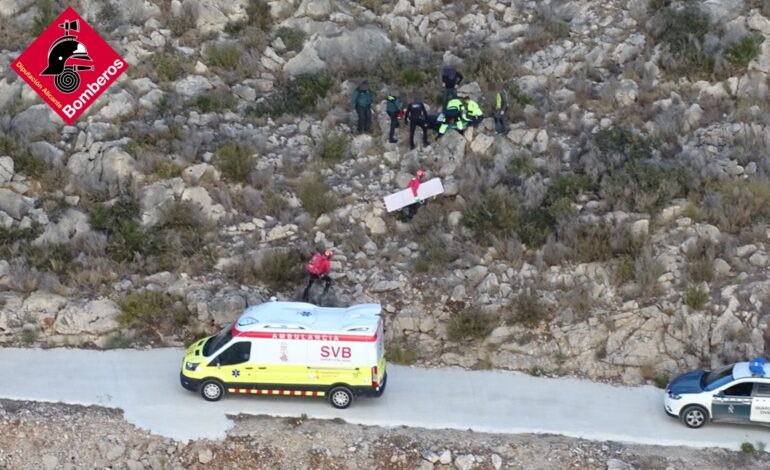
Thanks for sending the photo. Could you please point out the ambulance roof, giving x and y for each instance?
(296, 317)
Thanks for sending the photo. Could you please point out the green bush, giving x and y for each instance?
(401, 352)
(167, 65)
(258, 13)
(29, 335)
(683, 31)
(151, 309)
(109, 218)
(215, 101)
(701, 270)
(527, 310)
(534, 226)
(742, 52)
(234, 161)
(118, 341)
(293, 38)
(642, 186)
(302, 92)
(166, 169)
(56, 258)
(695, 297)
(45, 17)
(470, 324)
(333, 147)
(316, 196)
(129, 242)
(23, 161)
(566, 187)
(619, 144)
(520, 166)
(223, 56)
(492, 214)
(748, 448)
(661, 381)
(281, 270)
(735, 204)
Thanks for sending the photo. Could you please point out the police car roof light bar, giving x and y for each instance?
(757, 366)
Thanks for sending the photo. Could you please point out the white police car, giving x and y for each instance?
(738, 393)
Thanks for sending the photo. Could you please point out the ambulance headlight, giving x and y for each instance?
(191, 366)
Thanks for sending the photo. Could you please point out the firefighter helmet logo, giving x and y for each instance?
(69, 65)
(63, 57)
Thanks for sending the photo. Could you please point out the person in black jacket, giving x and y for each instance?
(417, 116)
(452, 79)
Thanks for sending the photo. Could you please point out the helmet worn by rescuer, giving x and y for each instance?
(420, 173)
(329, 253)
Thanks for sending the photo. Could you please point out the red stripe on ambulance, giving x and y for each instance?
(304, 336)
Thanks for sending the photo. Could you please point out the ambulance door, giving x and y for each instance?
(760, 403)
(232, 365)
(282, 361)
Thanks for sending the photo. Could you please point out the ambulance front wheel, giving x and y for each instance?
(212, 390)
(341, 397)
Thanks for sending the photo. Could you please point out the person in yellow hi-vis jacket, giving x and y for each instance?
(501, 106)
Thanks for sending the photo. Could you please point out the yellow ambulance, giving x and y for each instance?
(292, 349)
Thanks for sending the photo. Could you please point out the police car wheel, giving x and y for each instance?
(694, 416)
(340, 397)
(211, 390)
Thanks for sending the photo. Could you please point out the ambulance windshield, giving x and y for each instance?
(216, 342)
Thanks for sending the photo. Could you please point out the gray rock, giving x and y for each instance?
(209, 209)
(36, 121)
(205, 456)
(615, 464)
(465, 462)
(213, 15)
(307, 61)
(155, 197)
(626, 93)
(202, 172)
(110, 448)
(6, 169)
(9, 8)
(497, 461)
(446, 457)
(50, 462)
(42, 307)
(450, 153)
(316, 9)
(425, 465)
(94, 317)
(375, 224)
(15, 205)
(109, 171)
(134, 465)
(385, 286)
(226, 308)
(192, 85)
(46, 152)
(759, 259)
(360, 47)
(71, 224)
(119, 104)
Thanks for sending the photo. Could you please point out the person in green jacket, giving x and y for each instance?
(361, 102)
(393, 109)
(473, 112)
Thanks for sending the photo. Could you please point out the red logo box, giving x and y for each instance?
(69, 65)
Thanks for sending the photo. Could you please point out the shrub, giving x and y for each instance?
(293, 38)
(373, 5)
(109, 218)
(623, 269)
(44, 18)
(167, 65)
(215, 101)
(109, 16)
(647, 270)
(732, 205)
(742, 52)
(303, 92)
(118, 341)
(280, 270)
(618, 145)
(151, 309)
(527, 310)
(492, 214)
(590, 242)
(165, 169)
(258, 13)
(129, 242)
(748, 448)
(701, 270)
(642, 186)
(534, 226)
(566, 187)
(333, 147)
(470, 324)
(520, 166)
(56, 258)
(23, 161)
(661, 381)
(316, 196)
(695, 297)
(185, 21)
(223, 56)
(234, 161)
(401, 352)
(29, 335)
(683, 31)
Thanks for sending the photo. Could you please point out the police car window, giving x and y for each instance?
(762, 390)
(238, 353)
(740, 390)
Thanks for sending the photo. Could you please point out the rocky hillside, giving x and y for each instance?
(43, 436)
(618, 231)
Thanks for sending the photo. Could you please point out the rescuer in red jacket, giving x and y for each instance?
(318, 269)
(414, 184)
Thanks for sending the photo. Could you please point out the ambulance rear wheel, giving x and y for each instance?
(212, 390)
(341, 397)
